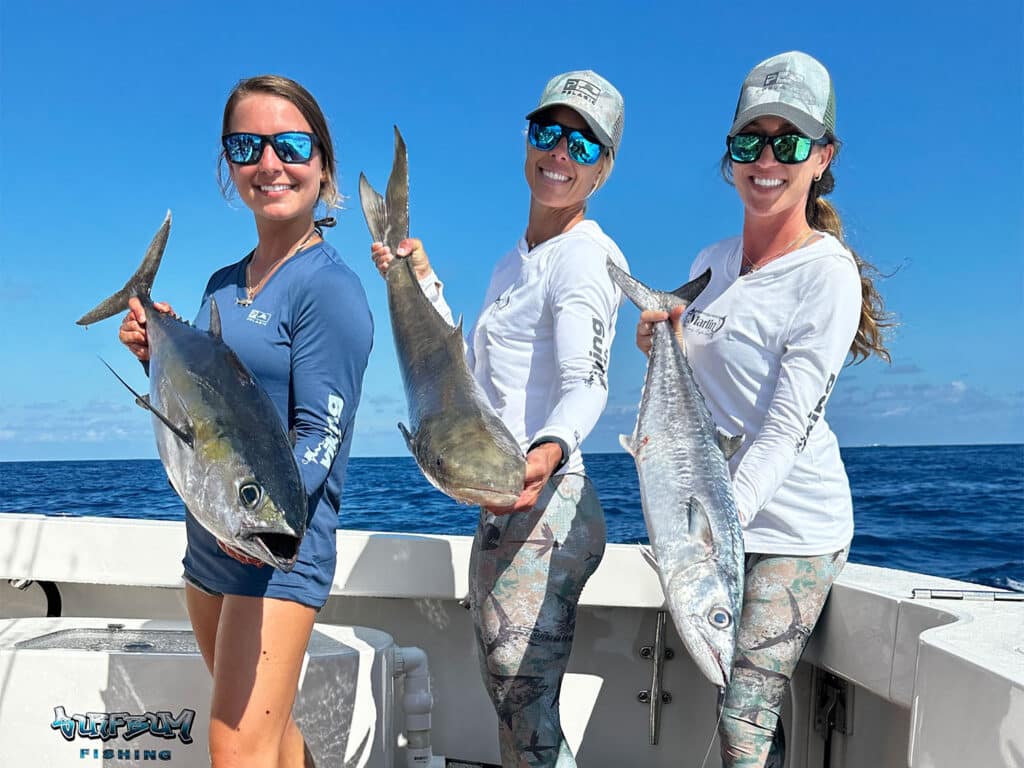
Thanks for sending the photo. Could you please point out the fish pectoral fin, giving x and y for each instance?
(628, 445)
(728, 443)
(410, 441)
(649, 556)
(699, 524)
(184, 433)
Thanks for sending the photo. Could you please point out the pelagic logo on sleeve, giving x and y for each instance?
(815, 415)
(327, 448)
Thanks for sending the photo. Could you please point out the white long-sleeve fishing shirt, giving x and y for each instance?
(766, 348)
(540, 346)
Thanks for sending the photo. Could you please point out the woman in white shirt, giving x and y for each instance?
(539, 350)
(787, 303)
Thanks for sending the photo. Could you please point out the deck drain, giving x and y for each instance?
(139, 646)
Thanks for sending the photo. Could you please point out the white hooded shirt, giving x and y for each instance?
(766, 348)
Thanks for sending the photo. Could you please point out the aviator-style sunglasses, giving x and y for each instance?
(583, 149)
(290, 147)
(790, 148)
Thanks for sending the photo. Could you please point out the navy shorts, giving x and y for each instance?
(209, 569)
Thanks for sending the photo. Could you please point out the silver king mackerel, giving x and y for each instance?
(218, 433)
(686, 491)
(459, 443)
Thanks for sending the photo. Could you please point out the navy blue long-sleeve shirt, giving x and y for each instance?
(306, 338)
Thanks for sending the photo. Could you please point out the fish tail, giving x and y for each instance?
(139, 285)
(388, 216)
(648, 298)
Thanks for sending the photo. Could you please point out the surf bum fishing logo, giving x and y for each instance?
(105, 726)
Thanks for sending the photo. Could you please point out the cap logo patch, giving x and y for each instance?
(585, 90)
(793, 85)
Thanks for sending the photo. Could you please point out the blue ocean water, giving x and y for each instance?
(955, 511)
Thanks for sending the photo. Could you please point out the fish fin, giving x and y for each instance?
(143, 402)
(649, 556)
(388, 216)
(728, 443)
(626, 441)
(647, 298)
(457, 330)
(699, 524)
(397, 195)
(687, 292)
(410, 441)
(373, 209)
(214, 319)
(139, 285)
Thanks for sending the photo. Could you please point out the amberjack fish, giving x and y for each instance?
(686, 491)
(459, 443)
(218, 433)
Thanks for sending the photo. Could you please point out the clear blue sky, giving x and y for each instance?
(110, 115)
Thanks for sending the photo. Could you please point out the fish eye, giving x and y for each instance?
(719, 617)
(250, 494)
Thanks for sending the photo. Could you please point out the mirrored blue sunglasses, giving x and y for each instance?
(290, 147)
(583, 147)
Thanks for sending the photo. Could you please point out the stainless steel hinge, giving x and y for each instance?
(833, 705)
(656, 695)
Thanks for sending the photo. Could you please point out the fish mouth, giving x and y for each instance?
(278, 549)
(725, 671)
(485, 497)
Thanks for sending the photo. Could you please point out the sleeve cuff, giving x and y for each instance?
(743, 505)
(431, 285)
(557, 441)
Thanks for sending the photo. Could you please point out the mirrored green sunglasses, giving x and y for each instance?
(790, 148)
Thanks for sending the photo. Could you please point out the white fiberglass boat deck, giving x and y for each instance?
(893, 677)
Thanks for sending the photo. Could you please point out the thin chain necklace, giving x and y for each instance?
(795, 244)
(251, 291)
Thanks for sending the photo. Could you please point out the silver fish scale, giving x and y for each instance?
(678, 455)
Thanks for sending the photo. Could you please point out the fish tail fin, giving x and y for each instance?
(388, 216)
(138, 285)
(374, 210)
(648, 298)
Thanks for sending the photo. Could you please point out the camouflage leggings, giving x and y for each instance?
(782, 599)
(527, 572)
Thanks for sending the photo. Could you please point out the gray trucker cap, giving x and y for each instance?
(793, 86)
(594, 98)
